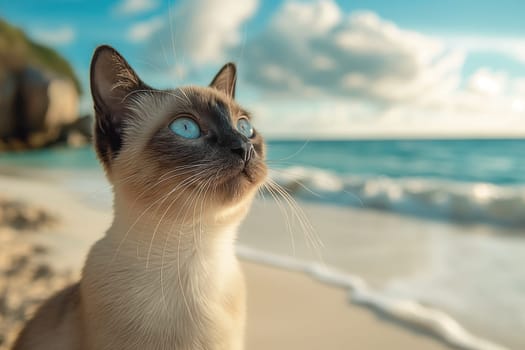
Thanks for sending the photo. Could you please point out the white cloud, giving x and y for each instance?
(518, 86)
(144, 30)
(490, 104)
(462, 114)
(359, 75)
(63, 35)
(314, 18)
(519, 52)
(317, 71)
(204, 30)
(131, 7)
(326, 118)
(487, 82)
(313, 48)
(512, 47)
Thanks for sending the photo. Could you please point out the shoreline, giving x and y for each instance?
(410, 315)
(289, 310)
(71, 241)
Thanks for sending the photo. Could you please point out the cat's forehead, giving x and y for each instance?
(205, 100)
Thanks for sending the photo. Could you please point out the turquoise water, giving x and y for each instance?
(457, 180)
(56, 158)
(491, 161)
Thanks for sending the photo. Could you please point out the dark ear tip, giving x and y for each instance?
(231, 66)
(103, 49)
(102, 54)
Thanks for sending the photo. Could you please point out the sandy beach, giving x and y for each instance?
(286, 310)
(292, 311)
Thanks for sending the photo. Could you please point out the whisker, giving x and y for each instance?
(293, 154)
(285, 214)
(172, 37)
(299, 214)
(195, 179)
(144, 212)
(300, 183)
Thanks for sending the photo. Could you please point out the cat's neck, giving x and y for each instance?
(151, 247)
(157, 266)
(167, 232)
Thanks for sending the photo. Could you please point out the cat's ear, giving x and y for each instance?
(112, 80)
(225, 80)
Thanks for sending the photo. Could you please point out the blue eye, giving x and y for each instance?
(244, 127)
(185, 127)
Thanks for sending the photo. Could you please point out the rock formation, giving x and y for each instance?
(39, 93)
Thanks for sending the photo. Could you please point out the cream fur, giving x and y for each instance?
(165, 275)
(186, 293)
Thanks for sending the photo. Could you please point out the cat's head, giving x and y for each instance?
(189, 144)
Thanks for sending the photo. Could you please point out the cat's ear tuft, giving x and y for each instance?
(112, 80)
(226, 79)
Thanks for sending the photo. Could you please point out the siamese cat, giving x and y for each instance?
(184, 165)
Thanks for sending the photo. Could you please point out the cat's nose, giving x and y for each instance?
(244, 150)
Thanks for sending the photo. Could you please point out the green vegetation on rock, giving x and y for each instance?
(17, 49)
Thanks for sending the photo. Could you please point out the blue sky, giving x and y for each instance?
(316, 68)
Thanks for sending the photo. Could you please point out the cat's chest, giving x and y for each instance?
(163, 291)
(176, 296)
(164, 307)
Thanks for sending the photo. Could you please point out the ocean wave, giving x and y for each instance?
(455, 201)
(411, 312)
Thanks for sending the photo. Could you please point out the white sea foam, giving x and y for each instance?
(464, 202)
(430, 198)
(431, 320)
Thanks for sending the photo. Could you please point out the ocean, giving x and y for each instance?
(466, 197)
(468, 181)
(455, 180)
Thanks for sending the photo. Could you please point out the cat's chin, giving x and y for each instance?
(241, 182)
